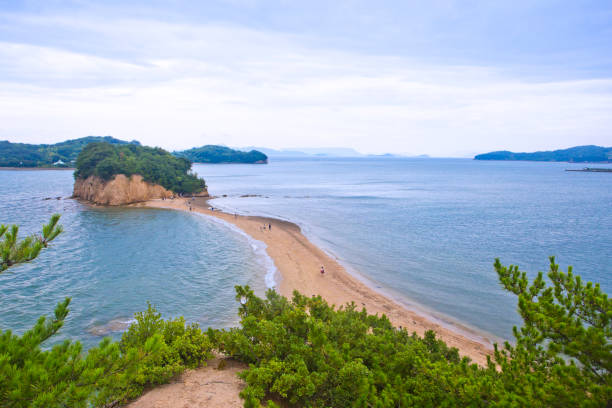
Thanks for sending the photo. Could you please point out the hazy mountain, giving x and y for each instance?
(307, 151)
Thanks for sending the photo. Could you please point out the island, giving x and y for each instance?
(64, 154)
(577, 154)
(58, 155)
(222, 154)
(118, 174)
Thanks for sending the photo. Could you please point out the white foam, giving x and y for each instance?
(258, 247)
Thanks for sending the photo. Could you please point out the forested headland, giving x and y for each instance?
(61, 154)
(578, 154)
(154, 164)
(64, 154)
(221, 154)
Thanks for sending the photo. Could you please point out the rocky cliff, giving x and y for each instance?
(120, 190)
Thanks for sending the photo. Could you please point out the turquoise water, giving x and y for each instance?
(424, 231)
(112, 261)
(427, 231)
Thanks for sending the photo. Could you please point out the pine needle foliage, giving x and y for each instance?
(563, 352)
(14, 251)
(307, 353)
(151, 352)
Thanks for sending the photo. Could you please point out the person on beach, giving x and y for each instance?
(322, 271)
(270, 227)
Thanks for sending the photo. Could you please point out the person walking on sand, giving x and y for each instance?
(322, 271)
(270, 227)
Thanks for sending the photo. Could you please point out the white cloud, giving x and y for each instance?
(178, 85)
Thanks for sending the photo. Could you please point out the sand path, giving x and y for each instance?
(206, 387)
(299, 263)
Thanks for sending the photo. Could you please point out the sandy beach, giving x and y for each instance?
(204, 387)
(299, 262)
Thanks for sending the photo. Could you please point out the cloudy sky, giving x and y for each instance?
(442, 77)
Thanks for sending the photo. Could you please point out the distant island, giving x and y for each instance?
(221, 154)
(64, 154)
(578, 154)
(114, 174)
(61, 154)
(326, 152)
(306, 152)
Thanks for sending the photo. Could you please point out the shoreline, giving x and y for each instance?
(37, 168)
(298, 262)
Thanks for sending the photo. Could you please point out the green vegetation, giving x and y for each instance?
(43, 155)
(221, 154)
(305, 353)
(151, 352)
(578, 154)
(13, 251)
(155, 165)
(64, 154)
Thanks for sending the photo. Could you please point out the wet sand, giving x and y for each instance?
(299, 262)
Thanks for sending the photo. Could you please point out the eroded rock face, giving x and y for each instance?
(118, 191)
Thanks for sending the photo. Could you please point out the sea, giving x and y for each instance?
(425, 232)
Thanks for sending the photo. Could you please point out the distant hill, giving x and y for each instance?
(578, 154)
(61, 154)
(221, 154)
(308, 152)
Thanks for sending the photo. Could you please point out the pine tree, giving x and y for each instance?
(61, 376)
(563, 352)
(14, 252)
(106, 376)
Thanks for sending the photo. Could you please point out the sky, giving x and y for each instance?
(439, 77)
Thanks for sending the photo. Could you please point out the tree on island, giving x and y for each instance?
(221, 154)
(61, 154)
(155, 165)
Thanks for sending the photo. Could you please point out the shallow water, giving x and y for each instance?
(112, 261)
(428, 230)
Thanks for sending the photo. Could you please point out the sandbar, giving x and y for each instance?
(299, 262)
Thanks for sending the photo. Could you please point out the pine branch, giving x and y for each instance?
(14, 252)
